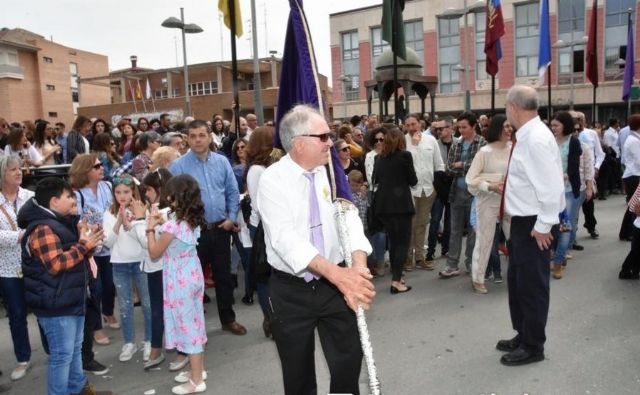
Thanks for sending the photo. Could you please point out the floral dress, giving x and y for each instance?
(183, 290)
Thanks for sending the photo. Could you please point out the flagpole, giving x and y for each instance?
(629, 28)
(594, 115)
(549, 93)
(394, 48)
(153, 103)
(144, 106)
(493, 95)
(133, 96)
(234, 68)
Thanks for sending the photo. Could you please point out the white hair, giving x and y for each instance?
(295, 123)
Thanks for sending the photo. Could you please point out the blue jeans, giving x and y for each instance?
(437, 211)
(378, 241)
(564, 238)
(123, 276)
(12, 289)
(64, 335)
(493, 266)
(573, 216)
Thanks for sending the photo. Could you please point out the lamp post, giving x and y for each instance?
(457, 13)
(175, 23)
(562, 44)
(344, 79)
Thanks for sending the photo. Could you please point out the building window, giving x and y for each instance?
(615, 36)
(571, 15)
(203, 88)
(161, 94)
(47, 59)
(53, 114)
(414, 37)
(51, 87)
(8, 57)
(527, 39)
(481, 57)
(351, 65)
(378, 46)
(449, 55)
(75, 95)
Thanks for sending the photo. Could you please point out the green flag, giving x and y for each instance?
(399, 46)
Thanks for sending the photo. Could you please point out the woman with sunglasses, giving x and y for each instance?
(105, 149)
(46, 144)
(378, 240)
(242, 239)
(344, 156)
(94, 198)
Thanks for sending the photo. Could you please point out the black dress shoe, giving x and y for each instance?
(508, 345)
(247, 299)
(594, 234)
(521, 356)
(395, 290)
(577, 247)
(206, 299)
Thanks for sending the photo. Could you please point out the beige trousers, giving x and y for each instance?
(419, 224)
(487, 213)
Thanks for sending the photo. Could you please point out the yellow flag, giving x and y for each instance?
(223, 6)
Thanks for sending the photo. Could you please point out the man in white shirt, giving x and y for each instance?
(426, 161)
(533, 196)
(309, 287)
(631, 175)
(252, 124)
(591, 138)
(611, 182)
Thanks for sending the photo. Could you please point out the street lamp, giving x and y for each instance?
(344, 79)
(457, 13)
(562, 44)
(175, 23)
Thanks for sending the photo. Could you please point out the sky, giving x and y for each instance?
(121, 28)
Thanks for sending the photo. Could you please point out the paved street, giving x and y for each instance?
(437, 339)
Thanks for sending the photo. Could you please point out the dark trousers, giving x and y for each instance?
(631, 265)
(297, 309)
(92, 322)
(154, 282)
(439, 209)
(214, 246)
(588, 209)
(398, 228)
(528, 283)
(105, 289)
(493, 266)
(626, 228)
(12, 289)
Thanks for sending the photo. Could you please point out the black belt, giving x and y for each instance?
(212, 225)
(291, 277)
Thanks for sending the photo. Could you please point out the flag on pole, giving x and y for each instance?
(138, 90)
(301, 85)
(494, 30)
(148, 90)
(223, 6)
(391, 9)
(592, 46)
(629, 63)
(544, 49)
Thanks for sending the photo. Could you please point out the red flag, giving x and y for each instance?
(592, 46)
(493, 31)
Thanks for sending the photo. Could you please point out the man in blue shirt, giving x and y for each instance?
(219, 191)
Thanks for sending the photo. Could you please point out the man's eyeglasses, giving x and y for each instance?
(440, 129)
(97, 166)
(324, 137)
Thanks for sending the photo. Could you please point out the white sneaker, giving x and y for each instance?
(146, 353)
(184, 377)
(20, 371)
(183, 389)
(127, 352)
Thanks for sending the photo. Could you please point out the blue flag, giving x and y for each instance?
(299, 84)
(544, 49)
(629, 64)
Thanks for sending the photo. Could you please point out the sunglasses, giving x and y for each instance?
(324, 137)
(97, 166)
(379, 140)
(344, 149)
(122, 181)
(240, 147)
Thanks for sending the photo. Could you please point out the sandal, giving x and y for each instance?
(189, 388)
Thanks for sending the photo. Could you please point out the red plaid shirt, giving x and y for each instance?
(47, 246)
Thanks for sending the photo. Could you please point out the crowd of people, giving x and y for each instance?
(156, 211)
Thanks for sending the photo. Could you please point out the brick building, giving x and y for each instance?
(38, 78)
(210, 89)
(356, 44)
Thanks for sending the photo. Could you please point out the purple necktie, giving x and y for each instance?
(315, 224)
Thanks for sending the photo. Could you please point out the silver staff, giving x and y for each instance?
(343, 206)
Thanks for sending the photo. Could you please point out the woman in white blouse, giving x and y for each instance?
(18, 145)
(46, 145)
(11, 283)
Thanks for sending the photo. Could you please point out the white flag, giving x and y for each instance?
(148, 90)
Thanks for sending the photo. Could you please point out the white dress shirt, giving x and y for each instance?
(622, 137)
(426, 161)
(369, 162)
(632, 155)
(610, 139)
(535, 182)
(590, 137)
(283, 203)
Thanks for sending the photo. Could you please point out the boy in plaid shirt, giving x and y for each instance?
(56, 266)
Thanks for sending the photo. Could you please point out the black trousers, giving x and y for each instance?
(631, 265)
(626, 228)
(297, 309)
(92, 322)
(398, 228)
(528, 284)
(588, 208)
(156, 291)
(214, 246)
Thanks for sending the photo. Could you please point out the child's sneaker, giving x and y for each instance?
(127, 352)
